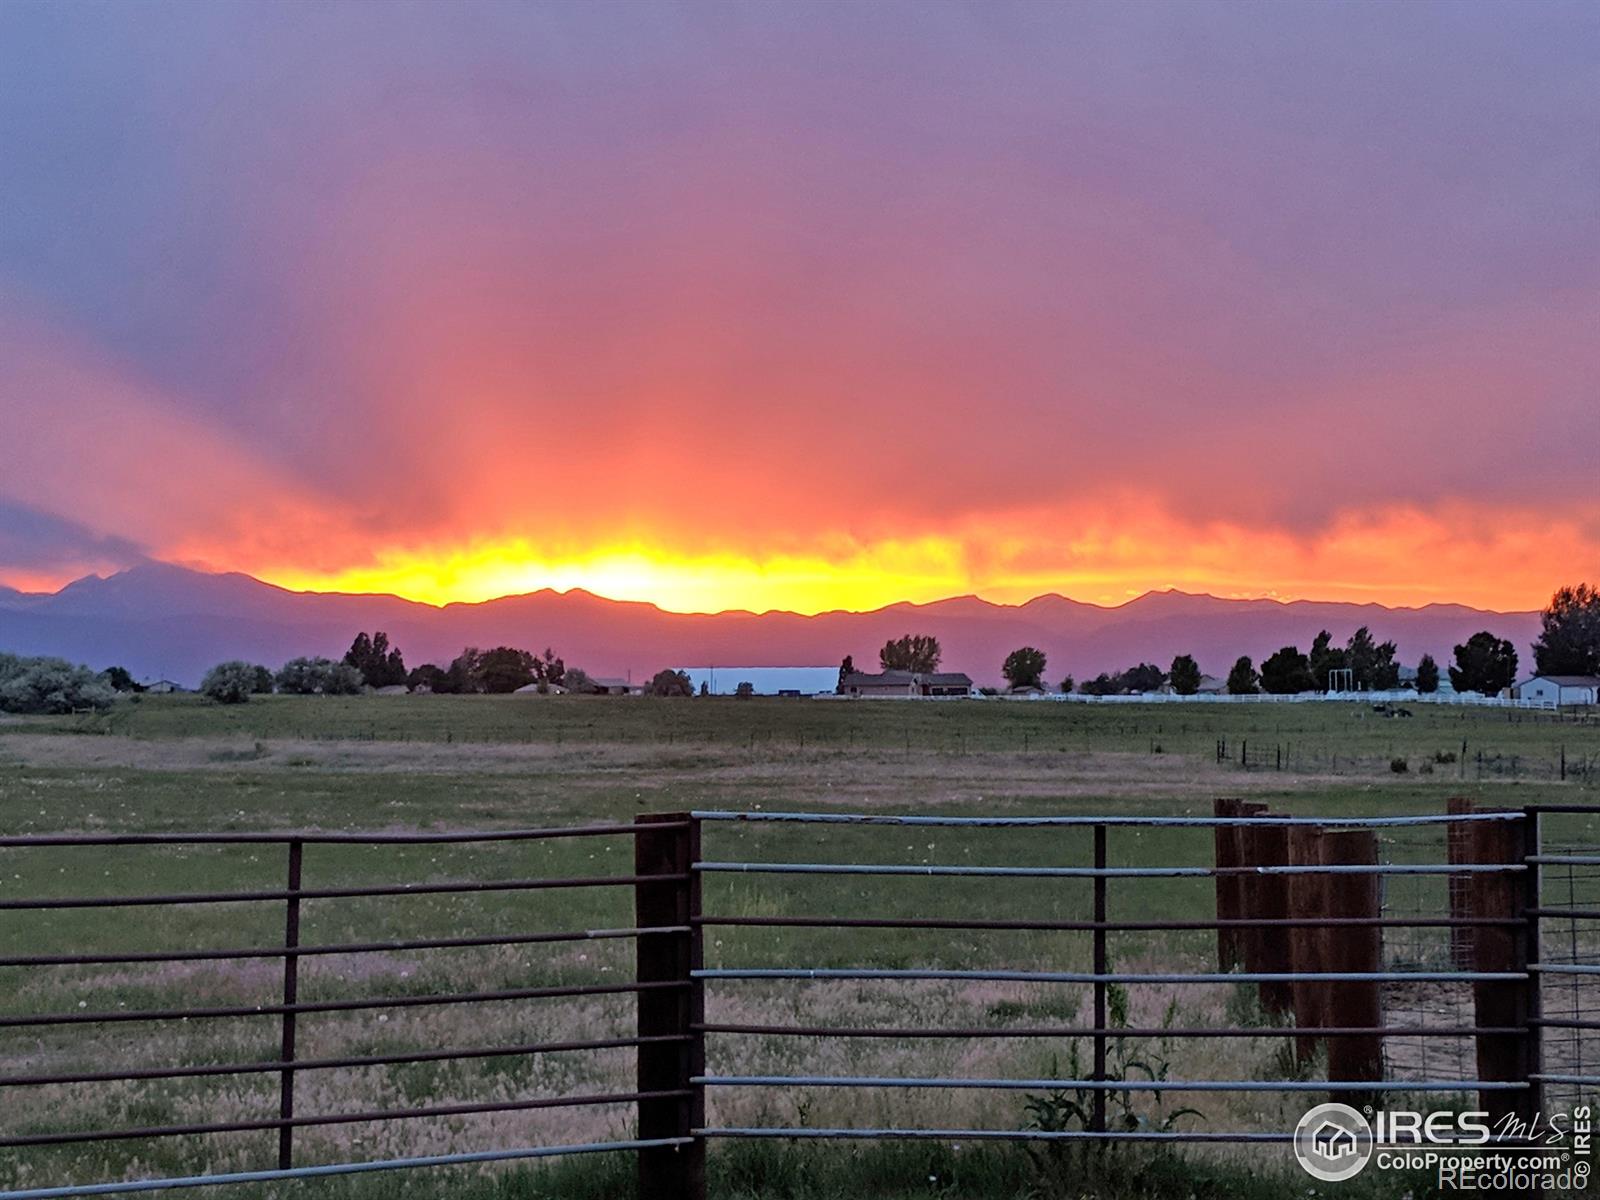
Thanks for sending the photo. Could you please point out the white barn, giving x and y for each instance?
(1560, 689)
(767, 681)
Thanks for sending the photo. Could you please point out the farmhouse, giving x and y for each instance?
(1560, 689)
(904, 683)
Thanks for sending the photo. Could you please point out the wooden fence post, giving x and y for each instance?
(1353, 1004)
(670, 1172)
(1307, 901)
(1266, 898)
(1506, 894)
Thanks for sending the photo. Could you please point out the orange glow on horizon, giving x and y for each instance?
(1401, 558)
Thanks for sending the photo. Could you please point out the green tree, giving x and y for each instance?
(1324, 659)
(465, 673)
(1569, 643)
(303, 676)
(505, 669)
(121, 679)
(380, 664)
(342, 680)
(429, 678)
(1287, 672)
(1372, 665)
(230, 682)
(316, 676)
(1427, 675)
(1101, 685)
(1185, 675)
(1024, 668)
(576, 680)
(1146, 677)
(915, 652)
(745, 690)
(1067, 684)
(846, 667)
(1243, 680)
(50, 686)
(1484, 663)
(670, 683)
(549, 672)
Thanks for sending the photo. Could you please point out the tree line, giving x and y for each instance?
(1568, 644)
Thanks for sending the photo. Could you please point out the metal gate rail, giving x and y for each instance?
(671, 983)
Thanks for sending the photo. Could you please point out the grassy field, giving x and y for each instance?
(373, 763)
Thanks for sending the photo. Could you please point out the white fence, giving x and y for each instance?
(1468, 700)
(1456, 699)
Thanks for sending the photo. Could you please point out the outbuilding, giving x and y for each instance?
(763, 681)
(1560, 689)
(905, 683)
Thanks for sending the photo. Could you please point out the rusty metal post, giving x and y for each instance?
(1353, 1005)
(1458, 844)
(291, 992)
(1228, 845)
(1101, 968)
(1506, 894)
(670, 1172)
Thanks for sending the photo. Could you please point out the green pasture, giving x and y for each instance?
(403, 763)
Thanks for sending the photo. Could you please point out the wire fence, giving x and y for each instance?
(1451, 957)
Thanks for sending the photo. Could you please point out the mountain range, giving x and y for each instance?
(166, 621)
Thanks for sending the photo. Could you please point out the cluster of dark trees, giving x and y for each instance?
(1146, 677)
(494, 672)
(47, 685)
(1569, 639)
(1371, 666)
(1484, 663)
(380, 664)
(918, 653)
(671, 683)
(372, 662)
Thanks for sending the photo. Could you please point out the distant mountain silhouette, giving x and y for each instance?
(160, 620)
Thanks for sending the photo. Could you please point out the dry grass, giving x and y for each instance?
(239, 779)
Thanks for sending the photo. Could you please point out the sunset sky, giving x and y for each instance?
(805, 305)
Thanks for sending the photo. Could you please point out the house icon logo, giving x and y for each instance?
(1333, 1142)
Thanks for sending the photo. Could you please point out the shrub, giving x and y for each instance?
(670, 683)
(121, 679)
(311, 676)
(1399, 766)
(50, 685)
(230, 682)
(342, 680)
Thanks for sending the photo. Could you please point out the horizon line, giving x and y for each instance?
(580, 591)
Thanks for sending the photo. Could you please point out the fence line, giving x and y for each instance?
(1497, 863)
